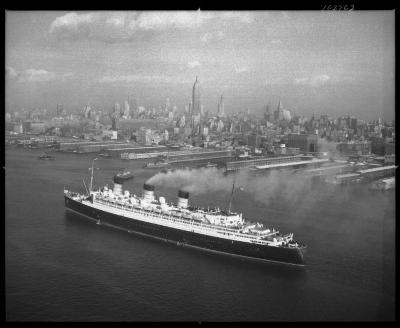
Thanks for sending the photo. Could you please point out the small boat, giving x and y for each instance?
(46, 157)
(105, 155)
(125, 175)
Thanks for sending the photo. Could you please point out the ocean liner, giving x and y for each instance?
(213, 229)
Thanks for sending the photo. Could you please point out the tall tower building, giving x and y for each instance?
(117, 108)
(267, 114)
(278, 114)
(87, 111)
(167, 105)
(114, 123)
(133, 107)
(221, 108)
(196, 97)
(127, 113)
(59, 110)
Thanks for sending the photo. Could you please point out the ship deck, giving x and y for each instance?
(187, 224)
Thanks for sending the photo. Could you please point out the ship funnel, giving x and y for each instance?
(117, 186)
(148, 192)
(183, 197)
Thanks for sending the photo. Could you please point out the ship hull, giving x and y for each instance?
(186, 238)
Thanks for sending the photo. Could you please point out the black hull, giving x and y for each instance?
(237, 248)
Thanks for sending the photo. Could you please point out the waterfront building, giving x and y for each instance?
(354, 148)
(252, 163)
(254, 140)
(377, 146)
(305, 142)
(129, 149)
(378, 172)
(389, 159)
(144, 137)
(389, 148)
(18, 128)
(87, 146)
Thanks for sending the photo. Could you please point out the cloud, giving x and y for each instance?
(72, 21)
(114, 26)
(275, 81)
(241, 69)
(149, 78)
(97, 26)
(242, 17)
(134, 78)
(11, 72)
(207, 37)
(276, 41)
(117, 20)
(193, 64)
(36, 75)
(163, 20)
(314, 81)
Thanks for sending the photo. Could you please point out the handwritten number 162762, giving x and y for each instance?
(338, 7)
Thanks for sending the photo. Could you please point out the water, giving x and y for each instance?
(62, 267)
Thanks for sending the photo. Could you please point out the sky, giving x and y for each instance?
(321, 62)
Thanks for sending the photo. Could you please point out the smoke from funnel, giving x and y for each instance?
(262, 187)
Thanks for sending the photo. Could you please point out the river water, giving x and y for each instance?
(63, 267)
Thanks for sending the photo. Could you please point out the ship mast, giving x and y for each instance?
(91, 176)
(233, 189)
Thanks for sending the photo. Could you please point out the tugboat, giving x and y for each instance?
(124, 175)
(46, 157)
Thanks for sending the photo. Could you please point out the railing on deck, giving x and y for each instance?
(188, 222)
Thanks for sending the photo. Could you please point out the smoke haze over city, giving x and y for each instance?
(320, 62)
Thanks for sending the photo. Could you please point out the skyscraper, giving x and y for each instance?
(127, 114)
(167, 105)
(196, 97)
(117, 108)
(267, 114)
(133, 107)
(221, 108)
(87, 111)
(59, 110)
(278, 114)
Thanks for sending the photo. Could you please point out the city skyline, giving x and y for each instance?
(316, 62)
